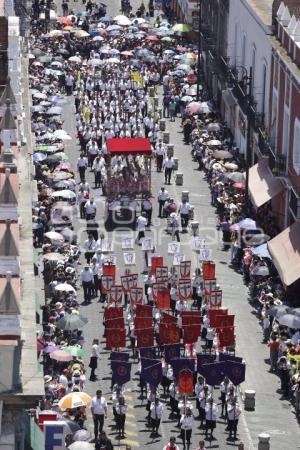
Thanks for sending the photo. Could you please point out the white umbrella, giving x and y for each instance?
(65, 287)
(40, 95)
(81, 34)
(64, 194)
(62, 134)
(75, 59)
(214, 143)
(122, 20)
(54, 236)
(95, 62)
(82, 436)
(113, 61)
(55, 33)
(98, 38)
(248, 224)
(79, 445)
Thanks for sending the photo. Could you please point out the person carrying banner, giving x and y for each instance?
(151, 396)
(203, 399)
(224, 388)
(174, 399)
(233, 411)
(186, 426)
(211, 412)
(156, 411)
(95, 355)
(121, 410)
(116, 394)
(199, 386)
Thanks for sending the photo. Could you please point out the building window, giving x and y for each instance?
(263, 96)
(296, 146)
(235, 43)
(286, 131)
(244, 50)
(253, 64)
(287, 92)
(276, 68)
(274, 120)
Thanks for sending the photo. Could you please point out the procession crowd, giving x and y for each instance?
(113, 69)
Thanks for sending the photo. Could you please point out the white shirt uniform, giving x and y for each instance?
(99, 405)
(86, 276)
(141, 223)
(184, 208)
(156, 411)
(211, 411)
(186, 422)
(163, 195)
(233, 411)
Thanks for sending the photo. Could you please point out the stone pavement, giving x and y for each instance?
(271, 415)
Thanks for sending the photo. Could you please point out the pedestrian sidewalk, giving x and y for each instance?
(271, 415)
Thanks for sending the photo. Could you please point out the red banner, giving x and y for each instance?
(161, 271)
(191, 320)
(184, 289)
(144, 337)
(142, 322)
(117, 322)
(156, 261)
(156, 287)
(191, 333)
(169, 333)
(162, 280)
(143, 310)
(226, 337)
(163, 299)
(216, 312)
(109, 270)
(106, 283)
(113, 312)
(215, 299)
(208, 270)
(167, 318)
(185, 269)
(115, 294)
(115, 338)
(185, 382)
(210, 285)
(129, 281)
(224, 321)
(136, 295)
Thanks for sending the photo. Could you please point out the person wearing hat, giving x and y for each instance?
(141, 223)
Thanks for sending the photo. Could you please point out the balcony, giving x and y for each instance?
(277, 162)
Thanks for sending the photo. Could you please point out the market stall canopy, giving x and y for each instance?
(263, 186)
(129, 145)
(285, 252)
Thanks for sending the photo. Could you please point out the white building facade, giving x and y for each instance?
(249, 27)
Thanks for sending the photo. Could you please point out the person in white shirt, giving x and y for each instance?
(210, 335)
(199, 386)
(93, 151)
(82, 164)
(181, 306)
(90, 209)
(87, 280)
(147, 208)
(233, 412)
(121, 409)
(89, 246)
(94, 356)
(159, 153)
(156, 411)
(224, 389)
(141, 224)
(186, 425)
(163, 195)
(97, 166)
(99, 412)
(211, 412)
(184, 211)
(63, 380)
(96, 269)
(168, 165)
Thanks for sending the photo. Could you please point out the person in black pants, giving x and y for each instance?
(99, 412)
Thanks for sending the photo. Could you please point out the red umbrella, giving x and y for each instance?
(181, 49)
(239, 186)
(65, 166)
(102, 32)
(152, 38)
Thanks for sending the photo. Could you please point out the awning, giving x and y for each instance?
(285, 252)
(262, 184)
(229, 98)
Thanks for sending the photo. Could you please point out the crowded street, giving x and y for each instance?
(147, 294)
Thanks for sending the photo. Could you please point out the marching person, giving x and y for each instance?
(87, 280)
(174, 226)
(99, 412)
(199, 386)
(168, 165)
(211, 412)
(159, 153)
(121, 410)
(186, 426)
(90, 209)
(233, 412)
(141, 223)
(156, 410)
(203, 399)
(94, 356)
(224, 388)
(90, 246)
(95, 268)
(172, 444)
(97, 166)
(162, 197)
(147, 208)
(82, 164)
(184, 211)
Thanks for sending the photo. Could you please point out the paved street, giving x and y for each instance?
(272, 415)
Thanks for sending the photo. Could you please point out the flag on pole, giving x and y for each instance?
(121, 371)
(235, 371)
(203, 358)
(213, 373)
(180, 364)
(152, 374)
(171, 351)
(119, 356)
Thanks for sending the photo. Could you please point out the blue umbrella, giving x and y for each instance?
(262, 251)
(36, 157)
(106, 19)
(248, 224)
